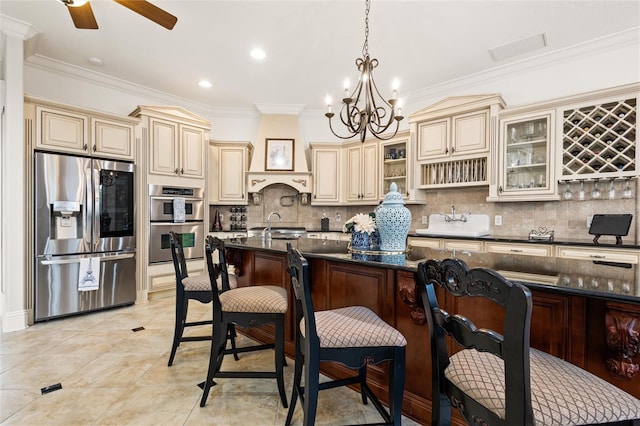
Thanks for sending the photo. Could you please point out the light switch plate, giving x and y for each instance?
(498, 220)
(425, 220)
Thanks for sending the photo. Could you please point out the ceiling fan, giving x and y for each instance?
(83, 17)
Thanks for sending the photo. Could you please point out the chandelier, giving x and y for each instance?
(365, 110)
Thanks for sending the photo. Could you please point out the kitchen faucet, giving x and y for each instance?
(452, 217)
(267, 230)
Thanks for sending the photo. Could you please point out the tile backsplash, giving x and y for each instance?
(567, 218)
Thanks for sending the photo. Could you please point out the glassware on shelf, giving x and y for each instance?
(581, 191)
(612, 190)
(567, 195)
(595, 193)
(627, 192)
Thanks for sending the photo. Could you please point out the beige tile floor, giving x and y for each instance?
(111, 375)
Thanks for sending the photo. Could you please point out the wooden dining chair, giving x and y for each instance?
(190, 287)
(496, 378)
(246, 307)
(352, 336)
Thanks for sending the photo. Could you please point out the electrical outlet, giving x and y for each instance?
(497, 220)
(425, 220)
(589, 219)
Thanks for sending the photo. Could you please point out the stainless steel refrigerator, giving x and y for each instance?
(84, 234)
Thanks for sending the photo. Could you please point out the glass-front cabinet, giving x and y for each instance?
(525, 164)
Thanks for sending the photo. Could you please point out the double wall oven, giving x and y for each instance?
(163, 219)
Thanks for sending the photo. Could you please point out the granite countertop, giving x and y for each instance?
(579, 277)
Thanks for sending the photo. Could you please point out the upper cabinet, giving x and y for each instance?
(453, 138)
(62, 128)
(228, 165)
(175, 141)
(362, 171)
(326, 168)
(176, 149)
(525, 170)
(397, 160)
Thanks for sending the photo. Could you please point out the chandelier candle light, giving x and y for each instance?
(365, 110)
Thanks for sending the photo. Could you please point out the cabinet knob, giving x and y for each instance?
(176, 171)
(446, 150)
(453, 149)
(181, 171)
(85, 147)
(94, 148)
(500, 189)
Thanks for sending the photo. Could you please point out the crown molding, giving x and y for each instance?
(543, 60)
(292, 109)
(67, 70)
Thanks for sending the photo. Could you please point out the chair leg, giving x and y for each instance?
(297, 378)
(279, 361)
(232, 336)
(181, 311)
(396, 385)
(218, 343)
(362, 374)
(311, 389)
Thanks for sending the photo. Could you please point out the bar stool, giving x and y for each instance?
(247, 307)
(353, 336)
(196, 287)
(497, 379)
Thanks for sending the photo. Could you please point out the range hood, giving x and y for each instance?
(279, 129)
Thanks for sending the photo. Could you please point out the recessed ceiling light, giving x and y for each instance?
(205, 83)
(96, 61)
(258, 53)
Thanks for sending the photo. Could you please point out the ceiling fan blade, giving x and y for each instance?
(83, 17)
(151, 12)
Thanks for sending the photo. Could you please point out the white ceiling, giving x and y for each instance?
(311, 46)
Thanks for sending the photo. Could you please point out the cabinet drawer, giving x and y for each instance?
(603, 254)
(424, 242)
(520, 249)
(475, 246)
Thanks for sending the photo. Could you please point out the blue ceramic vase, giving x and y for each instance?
(393, 220)
(364, 241)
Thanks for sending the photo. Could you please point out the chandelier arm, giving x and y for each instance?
(347, 114)
(337, 135)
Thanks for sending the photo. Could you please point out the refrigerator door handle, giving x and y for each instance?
(107, 257)
(88, 209)
(96, 203)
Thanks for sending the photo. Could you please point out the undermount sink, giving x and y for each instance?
(279, 232)
(474, 225)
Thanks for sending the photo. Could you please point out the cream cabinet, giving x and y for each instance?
(453, 140)
(523, 249)
(176, 149)
(82, 131)
(453, 136)
(174, 142)
(603, 254)
(326, 167)
(112, 138)
(228, 164)
(362, 171)
(526, 167)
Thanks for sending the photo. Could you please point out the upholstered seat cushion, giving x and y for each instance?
(202, 283)
(258, 299)
(354, 326)
(561, 393)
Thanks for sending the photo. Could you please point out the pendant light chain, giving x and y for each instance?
(365, 46)
(364, 110)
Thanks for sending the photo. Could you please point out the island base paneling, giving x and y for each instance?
(573, 327)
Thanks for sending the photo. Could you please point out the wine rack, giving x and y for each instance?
(599, 140)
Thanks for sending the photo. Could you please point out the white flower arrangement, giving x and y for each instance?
(361, 223)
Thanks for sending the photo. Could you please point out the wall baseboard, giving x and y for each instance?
(14, 321)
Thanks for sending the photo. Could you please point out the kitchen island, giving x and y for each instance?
(586, 306)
